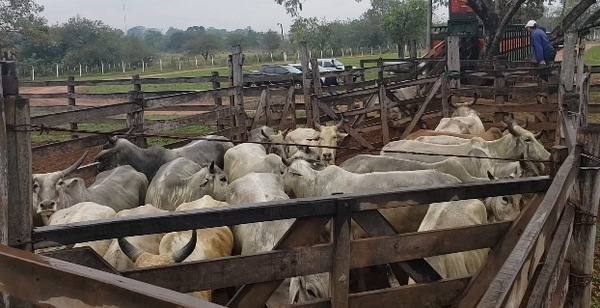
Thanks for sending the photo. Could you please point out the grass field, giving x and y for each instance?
(101, 89)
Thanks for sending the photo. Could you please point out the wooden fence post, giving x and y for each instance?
(582, 82)
(385, 132)
(317, 90)
(237, 61)
(581, 254)
(218, 100)
(499, 83)
(340, 273)
(566, 131)
(453, 66)
(306, 83)
(380, 71)
(135, 120)
(71, 98)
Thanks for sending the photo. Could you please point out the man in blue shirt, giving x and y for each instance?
(543, 52)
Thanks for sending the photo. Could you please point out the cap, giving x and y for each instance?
(531, 23)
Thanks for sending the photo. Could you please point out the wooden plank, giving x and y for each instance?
(581, 255)
(288, 109)
(306, 84)
(63, 147)
(125, 81)
(340, 272)
(417, 245)
(19, 172)
(539, 229)
(362, 90)
(533, 126)
(225, 272)
(4, 219)
(500, 252)
(81, 115)
(297, 208)
(547, 281)
(84, 256)
(44, 281)
(177, 99)
(560, 294)
(434, 294)
(349, 129)
(487, 91)
(302, 232)
(421, 110)
(376, 225)
(453, 59)
(385, 131)
(203, 118)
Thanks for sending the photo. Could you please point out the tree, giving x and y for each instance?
(204, 45)
(270, 41)
(154, 39)
(237, 38)
(19, 20)
(405, 21)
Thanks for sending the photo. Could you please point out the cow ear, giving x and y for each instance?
(343, 135)
(490, 176)
(204, 183)
(211, 168)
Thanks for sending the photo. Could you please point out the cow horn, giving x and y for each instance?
(451, 103)
(262, 132)
(74, 166)
(111, 140)
(211, 168)
(128, 133)
(339, 124)
(317, 125)
(512, 130)
(132, 252)
(185, 251)
(538, 135)
(475, 97)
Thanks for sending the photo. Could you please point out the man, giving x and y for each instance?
(543, 52)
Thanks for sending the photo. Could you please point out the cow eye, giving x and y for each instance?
(311, 293)
(223, 179)
(505, 199)
(528, 140)
(204, 183)
(61, 182)
(36, 187)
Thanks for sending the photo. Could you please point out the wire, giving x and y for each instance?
(44, 128)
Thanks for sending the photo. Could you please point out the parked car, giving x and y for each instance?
(274, 70)
(326, 81)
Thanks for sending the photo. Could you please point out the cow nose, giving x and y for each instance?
(47, 205)
(326, 156)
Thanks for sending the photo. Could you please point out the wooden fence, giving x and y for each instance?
(529, 263)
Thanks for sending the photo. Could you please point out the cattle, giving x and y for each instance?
(204, 244)
(84, 211)
(120, 188)
(261, 236)
(148, 243)
(183, 180)
(265, 134)
(463, 120)
(301, 180)
(324, 136)
(491, 134)
(44, 189)
(375, 163)
(122, 152)
(519, 142)
(248, 157)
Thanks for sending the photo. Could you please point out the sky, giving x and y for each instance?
(261, 15)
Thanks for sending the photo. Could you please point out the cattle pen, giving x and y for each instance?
(542, 258)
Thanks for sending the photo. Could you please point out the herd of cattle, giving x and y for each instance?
(214, 173)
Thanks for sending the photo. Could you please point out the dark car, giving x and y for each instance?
(274, 70)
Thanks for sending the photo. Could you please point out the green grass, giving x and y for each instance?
(592, 56)
(104, 127)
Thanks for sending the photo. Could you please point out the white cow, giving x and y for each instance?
(120, 188)
(323, 136)
(375, 163)
(261, 236)
(249, 157)
(464, 119)
(519, 143)
(84, 211)
(210, 243)
(182, 180)
(148, 243)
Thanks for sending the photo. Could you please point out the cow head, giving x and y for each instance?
(310, 287)
(525, 144)
(211, 180)
(45, 189)
(305, 152)
(143, 259)
(112, 154)
(279, 139)
(503, 208)
(463, 109)
(299, 178)
(330, 136)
